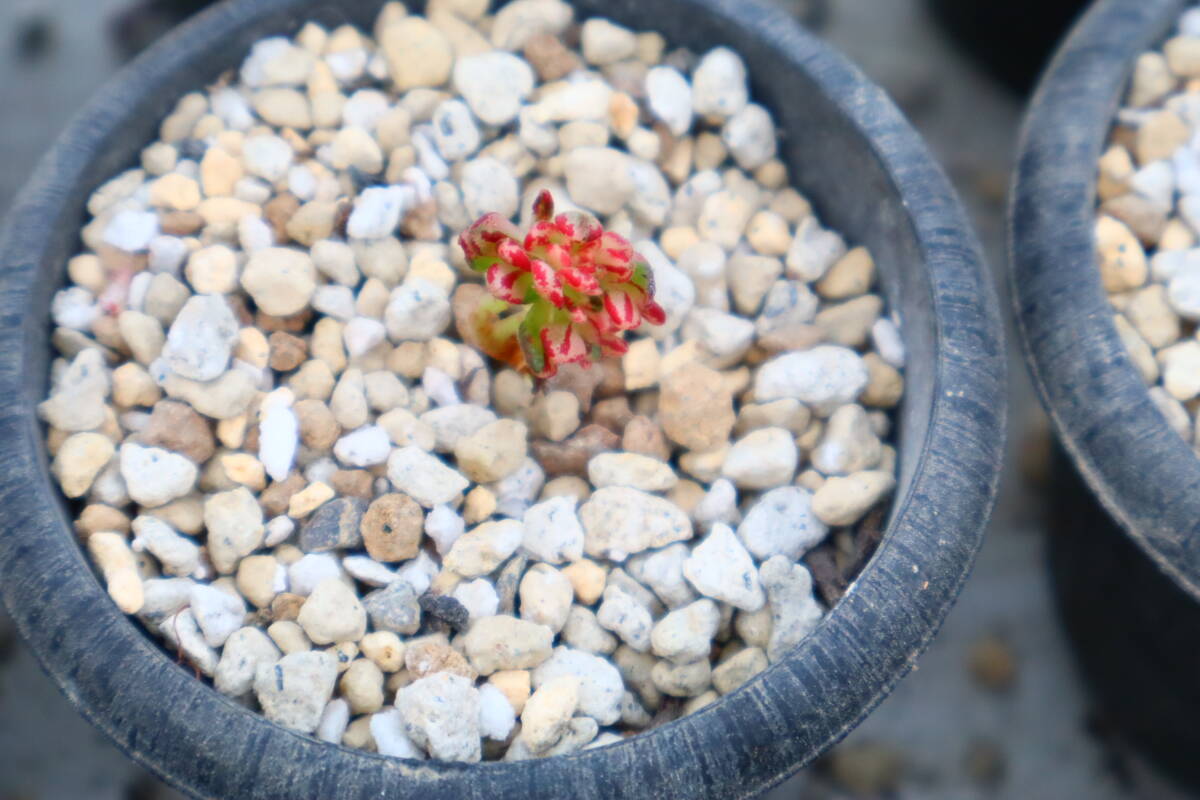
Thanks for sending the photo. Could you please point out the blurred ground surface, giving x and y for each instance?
(1022, 731)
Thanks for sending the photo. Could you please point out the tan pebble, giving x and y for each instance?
(86, 270)
(99, 517)
(1183, 56)
(1176, 235)
(1115, 170)
(768, 234)
(675, 241)
(687, 494)
(849, 323)
(643, 435)
(640, 365)
(843, 500)
(885, 386)
(695, 409)
(362, 686)
(286, 108)
(245, 469)
(426, 658)
(133, 387)
(566, 486)
(810, 479)
(392, 527)
(555, 415)
(772, 174)
(231, 433)
(175, 192)
(1160, 135)
(309, 499)
(314, 380)
(327, 344)
(587, 579)
(312, 222)
(479, 505)
(185, 515)
(493, 452)
(115, 560)
(289, 637)
(358, 734)
(385, 649)
(851, 275)
(417, 53)
(280, 280)
(143, 335)
(79, 460)
(212, 270)
(318, 428)
(358, 483)
(219, 172)
(1122, 260)
(514, 684)
(256, 579)
(710, 151)
(252, 347)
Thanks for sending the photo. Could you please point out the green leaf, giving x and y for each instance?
(531, 343)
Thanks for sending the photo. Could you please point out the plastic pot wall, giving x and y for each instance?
(1125, 558)
(869, 176)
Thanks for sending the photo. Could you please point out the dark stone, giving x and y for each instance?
(394, 608)
(850, 151)
(508, 581)
(333, 526)
(445, 609)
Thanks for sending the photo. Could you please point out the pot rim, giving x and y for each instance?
(737, 746)
(1142, 471)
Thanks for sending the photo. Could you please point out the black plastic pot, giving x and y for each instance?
(1011, 39)
(870, 177)
(1130, 606)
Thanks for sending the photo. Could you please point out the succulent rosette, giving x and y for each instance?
(562, 294)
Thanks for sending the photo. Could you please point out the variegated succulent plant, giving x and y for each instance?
(562, 294)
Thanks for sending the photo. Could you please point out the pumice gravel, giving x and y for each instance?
(285, 462)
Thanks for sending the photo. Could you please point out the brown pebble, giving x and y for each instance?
(318, 428)
(287, 351)
(180, 223)
(175, 426)
(392, 527)
(570, 457)
(550, 57)
(275, 498)
(613, 413)
(286, 606)
(292, 324)
(353, 483)
(99, 517)
(426, 658)
(992, 663)
(642, 435)
(278, 211)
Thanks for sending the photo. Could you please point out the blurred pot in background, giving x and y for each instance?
(1011, 39)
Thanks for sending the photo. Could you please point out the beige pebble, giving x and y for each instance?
(843, 500)
(384, 648)
(308, 499)
(176, 192)
(1122, 260)
(514, 684)
(79, 460)
(1160, 135)
(112, 554)
(587, 579)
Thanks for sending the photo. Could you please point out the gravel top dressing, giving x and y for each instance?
(288, 465)
(1148, 216)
